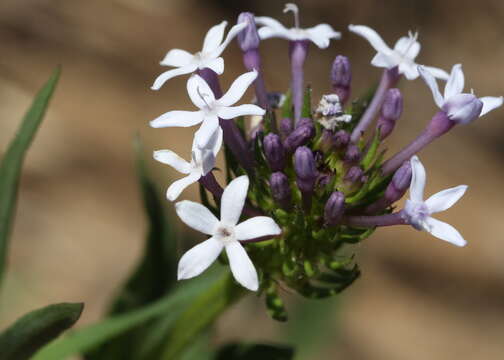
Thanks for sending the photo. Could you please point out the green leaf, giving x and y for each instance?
(36, 329)
(171, 306)
(12, 162)
(238, 351)
(370, 156)
(306, 111)
(154, 276)
(287, 110)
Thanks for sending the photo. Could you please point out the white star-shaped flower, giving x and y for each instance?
(225, 233)
(403, 55)
(202, 162)
(208, 57)
(417, 212)
(210, 109)
(320, 35)
(460, 107)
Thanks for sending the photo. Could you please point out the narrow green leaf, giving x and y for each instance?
(92, 336)
(12, 162)
(370, 156)
(36, 329)
(306, 111)
(238, 351)
(287, 110)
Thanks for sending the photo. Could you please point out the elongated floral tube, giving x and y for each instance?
(440, 124)
(374, 221)
(341, 78)
(231, 134)
(389, 79)
(210, 183)
(249, 40)
(298, 51)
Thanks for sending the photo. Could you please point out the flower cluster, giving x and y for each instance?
(309, 182)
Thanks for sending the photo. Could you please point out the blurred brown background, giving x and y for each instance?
(80, 224)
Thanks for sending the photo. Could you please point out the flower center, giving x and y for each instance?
(416, 213)
(225, 234)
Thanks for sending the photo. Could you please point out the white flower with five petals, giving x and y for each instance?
(417, 212)
(202, 162)
(320, 35)
(225, 233)
(208, 57)
(401, 56)
(210, 109)
(460, 107)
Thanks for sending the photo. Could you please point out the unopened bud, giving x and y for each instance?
(390, 112)
(303, 122)
(300, 136)
(334, 208)
(248, 38)
(274, 152)
(463, 108)
(341, 77)
(306, 171)
(354, 174)
(353, 154)
(341, 139)
(286, 127)
(280, 189)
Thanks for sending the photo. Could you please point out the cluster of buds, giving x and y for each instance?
(306, 182)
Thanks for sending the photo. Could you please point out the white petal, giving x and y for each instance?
(382, 60)
(167, 75)
(199, 258)
(233, 199)
(372, 36)
(257, 227)
(230, 112)
(213, 37)
(199, 91)
(178, 119)
(196, 216)
(445, 199)
(444, 231)
(407, 47)
(432, 84)
(207, 160)
(269, 22)
(490, 103)
(271, 28)
(437, 72)
(455, 83)
(238, 88)
(206, 131)
(417, 180)
(241, 266)
(409, 69)
(321, 35)
(216, 141)
(168, 157)
(235, 30)
(217, 65)
(180, 185)
(177, 58)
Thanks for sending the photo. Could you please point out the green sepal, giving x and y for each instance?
(370, 157)
(306, 111)
(275, 305)
(287, 109)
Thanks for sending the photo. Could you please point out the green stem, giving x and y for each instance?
(202, 313)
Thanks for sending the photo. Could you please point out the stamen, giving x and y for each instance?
(295, 10)
(412, 39)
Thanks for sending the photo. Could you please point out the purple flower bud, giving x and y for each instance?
(354, 174)
(286, 127)
(402, 178)
(463, 108)
(334, 208)
(248, 38)
(341, 77)
(300, 136)
(353, 154)
(390, 112)
(303, 122)
(341, 139)
(324, 180)
(326, 140)
(280, 189)
(274, 152)
(306, 171)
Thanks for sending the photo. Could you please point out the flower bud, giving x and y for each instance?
(248, 38)
(353, 154)
(280, 189)
(306, 171)
(324, 180)
(341, 139)
(341, 77)
(303, 122)
(285, 127)
(334, 208)
(354, 174)
(300, 136)
(463, 108)
(274, 152)
(390, 112)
